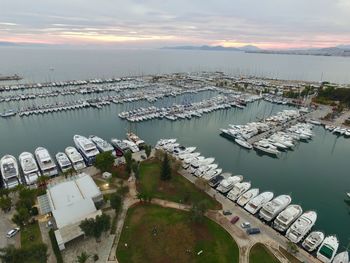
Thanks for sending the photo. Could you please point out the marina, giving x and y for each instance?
(299, 226)
(56, 132)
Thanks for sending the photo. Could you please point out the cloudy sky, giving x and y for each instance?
(156, 23)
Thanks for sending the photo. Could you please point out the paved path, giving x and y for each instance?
(46, 239)
(268, 235)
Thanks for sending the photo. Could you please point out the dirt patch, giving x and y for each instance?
(201, 231)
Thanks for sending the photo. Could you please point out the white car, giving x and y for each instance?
(245, 225)
(12, 232)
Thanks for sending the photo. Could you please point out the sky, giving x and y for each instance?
(268, 24)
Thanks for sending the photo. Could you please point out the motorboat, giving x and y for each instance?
(134, 138)
(313, 240)
(243, 143)
(75, 157)
(216, 180)
(9, 171)
(247, 196)
(266, 148)
(301, 226)
(254, 205)
(228, 183)
(102, 145)
(285, 219)
(342, 257)
(86, 148)
(131, 146)
(271, 209)
(45, 162)
(119, 145)
(63, 162)
(211, 173)
(238, 190)
(329, 247)
(29, 167)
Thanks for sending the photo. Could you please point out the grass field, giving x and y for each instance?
(155, 234)
(178, 189)
(260, 254)
(30, 235)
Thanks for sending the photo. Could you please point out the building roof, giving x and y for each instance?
(71, 201)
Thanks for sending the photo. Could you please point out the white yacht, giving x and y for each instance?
(75, 157)
(63, 162)
(238, 190)
(247, 196)
(102, 145)
(9, 171)
(228, 183)
(301, 226)
(266, 148)
(87, 148)
(243, 143)
(131, 146)
(29, 167)
(326, 252)
(46, 164)
(271, 209)
(211, 174)
(284, 220)
(342, 257)
(257, 202)
(313, 240)
(118, 144)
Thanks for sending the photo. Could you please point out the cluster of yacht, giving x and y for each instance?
(338, 130)
(272, 135)
(179, 111)
(277, 211)
(30, 167)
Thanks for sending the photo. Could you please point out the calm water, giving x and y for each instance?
(34, 64)
(315, 173)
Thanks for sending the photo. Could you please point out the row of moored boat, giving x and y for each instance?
(276, 211)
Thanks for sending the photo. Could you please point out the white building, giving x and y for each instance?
(70, 202)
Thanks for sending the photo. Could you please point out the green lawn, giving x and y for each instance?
(260, 254)
(178, 189)
(30, 235)
(155, 234)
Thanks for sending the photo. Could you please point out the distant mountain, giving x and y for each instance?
(215, 48)
(340, 51)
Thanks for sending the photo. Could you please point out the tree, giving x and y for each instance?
(104, 161)
(165, 169)
(198, 210)
(116, 202)
(292, 248)
(148, 150)
(22, 216)
(83, 257)
(135, 169)
(42, 181)
(34, 253)
(94, 227)
(128, 161)
(4, 192)
(202, 184)
(5, 203)
(159, 154)
(26, 198)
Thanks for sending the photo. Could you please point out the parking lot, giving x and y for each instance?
(5, 225)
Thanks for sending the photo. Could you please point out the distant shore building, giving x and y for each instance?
(70, 202)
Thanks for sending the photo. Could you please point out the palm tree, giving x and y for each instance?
(83, 257)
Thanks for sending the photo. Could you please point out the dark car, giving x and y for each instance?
(226, 213)
(234, 219)
(253, 231)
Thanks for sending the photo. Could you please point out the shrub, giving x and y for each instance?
(55, 247)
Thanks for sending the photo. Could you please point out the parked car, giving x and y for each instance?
(12, 232)
(226, 213)
(253, 231)
(245, 225)
(234, 219)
